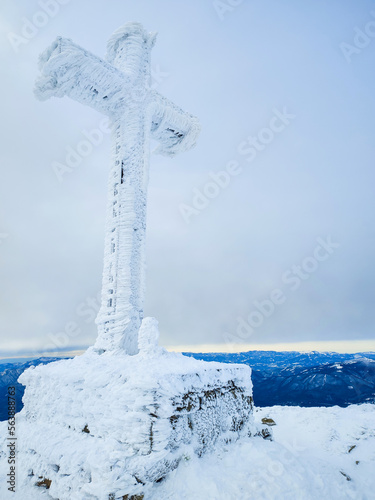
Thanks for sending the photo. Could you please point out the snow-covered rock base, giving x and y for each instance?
(110, 425)
(315, 454)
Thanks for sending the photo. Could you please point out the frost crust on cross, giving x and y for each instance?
(119, 87)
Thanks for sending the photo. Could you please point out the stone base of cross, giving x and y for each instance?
(111, 425)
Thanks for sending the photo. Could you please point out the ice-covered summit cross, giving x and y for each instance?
(120, 88)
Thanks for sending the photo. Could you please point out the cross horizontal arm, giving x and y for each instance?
(68, 69)
(174, 129)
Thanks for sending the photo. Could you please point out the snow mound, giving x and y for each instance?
(311, 457)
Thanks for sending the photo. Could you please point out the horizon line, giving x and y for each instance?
(339, 346)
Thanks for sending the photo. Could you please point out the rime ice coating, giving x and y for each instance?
(120, 88)
(115, 424)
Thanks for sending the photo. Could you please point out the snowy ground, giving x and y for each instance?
(311, 457)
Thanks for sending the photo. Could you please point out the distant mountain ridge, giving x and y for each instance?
(306, 379)
(279, 378)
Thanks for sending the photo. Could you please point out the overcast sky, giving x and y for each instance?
(295, 221)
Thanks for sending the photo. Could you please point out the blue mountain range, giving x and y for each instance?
(306, 379)
(279, 378)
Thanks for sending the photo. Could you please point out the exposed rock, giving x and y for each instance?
(348, 478)
(44, 483)
(266, 434)
(268, 421)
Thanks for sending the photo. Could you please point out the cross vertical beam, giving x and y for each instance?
(123, 287)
